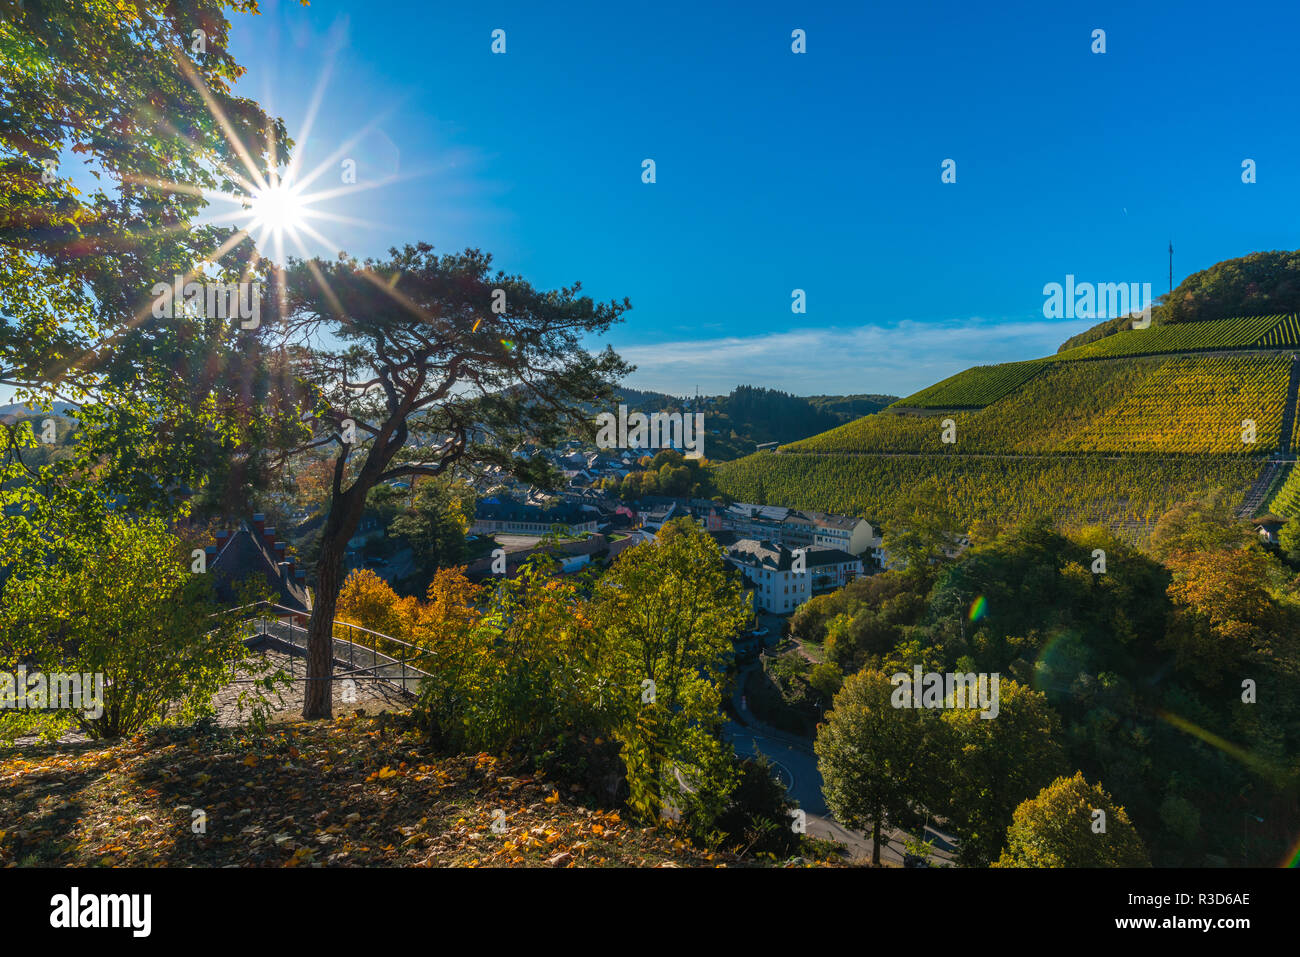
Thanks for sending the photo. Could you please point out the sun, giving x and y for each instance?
(277, 209)
(275, 212)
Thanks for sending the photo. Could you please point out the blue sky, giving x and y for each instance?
(818, 171)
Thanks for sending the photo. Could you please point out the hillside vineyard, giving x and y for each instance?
(1115, 431)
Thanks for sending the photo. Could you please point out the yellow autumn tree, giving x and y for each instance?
(1223, 613)
(452, 608)
(447, 626)
(1071, 823)
(541, 673)
(368, 601)
(508, 664)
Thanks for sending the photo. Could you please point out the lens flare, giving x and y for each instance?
(1257, 764)
(1293, 857)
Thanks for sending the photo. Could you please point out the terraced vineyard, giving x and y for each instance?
(1131, 491)
(1190, 405)
(1171, 406)
(1188, 337)
(1284, 334)
(975, 388)
(1116, 431)
(1286, 502)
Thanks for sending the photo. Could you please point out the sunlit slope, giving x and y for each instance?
(1172, 405)
(982, 385)
(1241, 333)
(1116, 431)
(1286, 501)
(977, 387)
(1125, 491)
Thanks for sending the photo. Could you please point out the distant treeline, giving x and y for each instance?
(750, 415)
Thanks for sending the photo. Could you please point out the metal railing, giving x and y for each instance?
(382, 657)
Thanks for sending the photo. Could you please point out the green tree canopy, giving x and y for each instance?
(441, 364)
(1260, 284)
(1059, 827)
(90, 591)
(872, 756)
(987, 766)
(667, 611)
(433, 517)
(1194, 526)
(137, 98)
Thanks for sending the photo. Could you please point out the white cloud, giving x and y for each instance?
(898, 359)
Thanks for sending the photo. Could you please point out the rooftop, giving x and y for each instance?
(770, 555)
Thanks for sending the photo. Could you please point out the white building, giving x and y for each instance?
(798, 528)
(782, 582)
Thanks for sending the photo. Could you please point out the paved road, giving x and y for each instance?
(796, 767)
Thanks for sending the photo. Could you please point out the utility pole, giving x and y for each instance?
(1171, 267)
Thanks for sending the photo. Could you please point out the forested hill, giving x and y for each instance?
(1263, 283)
(850, 407)
(751, 415)
(64, 431)
(17, 410)
(767, 415)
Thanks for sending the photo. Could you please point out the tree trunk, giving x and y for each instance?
(318, 696)
(340, 526)
(875, 842)
(346, 509)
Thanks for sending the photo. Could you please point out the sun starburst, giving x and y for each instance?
(277, 209)
(270, 210)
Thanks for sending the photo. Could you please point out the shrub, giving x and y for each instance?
(112, 596)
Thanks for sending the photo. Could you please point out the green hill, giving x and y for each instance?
(1176, 404)
(1270, 332)
(753, 415)
(975, 388)
(849, 407)
(1114, 431)
(1259, 284)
